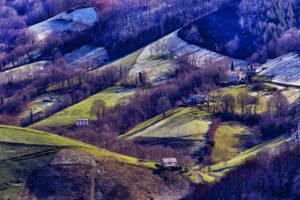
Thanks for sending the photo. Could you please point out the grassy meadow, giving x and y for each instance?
(229, 139)
(234, 90)
(23, 150)
(213, 172)
(184, 122)
(111, 96)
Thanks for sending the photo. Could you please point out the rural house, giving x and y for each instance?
(198, 99)
(169, 162)
(236, 76)
(82, 122)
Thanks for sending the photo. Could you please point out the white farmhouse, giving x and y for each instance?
(82, 122)
(169, 162)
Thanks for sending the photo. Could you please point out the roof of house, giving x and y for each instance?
(168, 160)
(234, 72)
(82, 119)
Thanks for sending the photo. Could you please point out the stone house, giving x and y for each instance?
(236, 76)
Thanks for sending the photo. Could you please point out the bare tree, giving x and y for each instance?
(98, 108)
(243, 100)
(278, 105)
(229, 103)
(163, 105)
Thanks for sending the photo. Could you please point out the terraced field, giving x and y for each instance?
(183, 129)
(111, 96)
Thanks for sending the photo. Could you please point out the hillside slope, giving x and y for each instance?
(216, 171)
(284, 69)
(182, 129)
(36, 158)
(111, 96)
(74, 21)
(158, 59)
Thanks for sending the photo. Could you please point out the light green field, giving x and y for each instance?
(189, 123)
(229, 141)
(23, 150)
(149, 123)
(24, 136)
(126, 61)
(111, 96)
(213, 172)
(236, 89)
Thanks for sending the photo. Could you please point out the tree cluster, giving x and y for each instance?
(256, 30)
(267, 176)
(61, 78)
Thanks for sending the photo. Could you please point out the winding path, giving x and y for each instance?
(199, 177)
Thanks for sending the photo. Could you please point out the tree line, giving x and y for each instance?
(268, 175)
(61, 78)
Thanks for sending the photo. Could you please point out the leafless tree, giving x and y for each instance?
(229, 103)
(163, 105)
(98, 108)
(243, 99)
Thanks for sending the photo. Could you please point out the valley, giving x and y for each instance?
(149, 99)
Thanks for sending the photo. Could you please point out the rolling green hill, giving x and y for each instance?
(181, 129)
(111, 96)
(24, 150)
(183, 122)
(214, 172)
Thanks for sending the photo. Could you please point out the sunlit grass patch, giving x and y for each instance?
(126, 61)
(111, 96)
(235, 90)
(178, 123)
(220, 168)
(229, 139)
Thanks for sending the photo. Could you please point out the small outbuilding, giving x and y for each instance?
(169, 162)
(82, 122)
